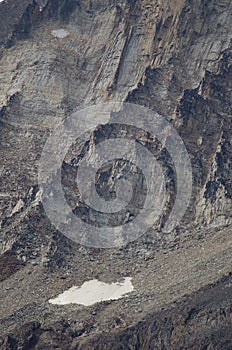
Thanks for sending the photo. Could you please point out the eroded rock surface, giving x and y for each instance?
(173, 57)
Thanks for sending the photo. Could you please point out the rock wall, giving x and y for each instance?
(173, 57)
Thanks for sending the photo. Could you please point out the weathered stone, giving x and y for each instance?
(173, 57)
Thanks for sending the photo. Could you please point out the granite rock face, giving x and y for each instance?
(172, 57)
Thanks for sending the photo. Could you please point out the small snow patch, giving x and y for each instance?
(94, 291)
(60, 33)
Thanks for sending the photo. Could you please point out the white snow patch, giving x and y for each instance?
(94, 291)
(60, 33)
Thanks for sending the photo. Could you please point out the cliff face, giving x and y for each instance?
(173, 57)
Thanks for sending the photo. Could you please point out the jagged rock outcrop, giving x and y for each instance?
(173, 57)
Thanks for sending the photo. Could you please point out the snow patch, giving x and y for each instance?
(60, 33)
(94, 291)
